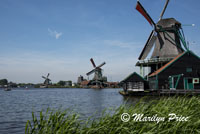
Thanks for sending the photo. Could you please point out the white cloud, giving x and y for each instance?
(54, 33)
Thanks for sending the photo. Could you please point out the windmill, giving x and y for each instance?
(166, 38)
(47, 80)
(98, 77)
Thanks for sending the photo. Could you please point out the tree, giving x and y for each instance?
(61, 83)
(3, 82)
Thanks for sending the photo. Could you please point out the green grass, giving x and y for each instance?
(59, 122)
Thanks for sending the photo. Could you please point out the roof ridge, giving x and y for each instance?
(166, 65)
(131, 75)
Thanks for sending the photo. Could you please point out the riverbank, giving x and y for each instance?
(164, 115)
(77, 86)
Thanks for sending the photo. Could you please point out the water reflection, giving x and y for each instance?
(18, 104)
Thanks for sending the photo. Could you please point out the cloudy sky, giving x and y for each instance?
(60, 36)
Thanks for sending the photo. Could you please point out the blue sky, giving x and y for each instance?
(60, 36)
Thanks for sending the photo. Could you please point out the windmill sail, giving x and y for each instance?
(140, 9)
(92, 61)
(91, 72)
(163, 11)
(101, 64)
(149, 44)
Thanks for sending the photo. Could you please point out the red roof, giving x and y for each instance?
(166, 65)
(84, 83)
(113, 83)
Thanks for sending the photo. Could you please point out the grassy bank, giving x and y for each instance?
(67, 122)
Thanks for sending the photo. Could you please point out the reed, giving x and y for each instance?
(59, 122)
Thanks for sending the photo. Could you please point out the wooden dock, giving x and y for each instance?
(167, 92)
(163, 92)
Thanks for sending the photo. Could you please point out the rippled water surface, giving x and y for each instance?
(17, 105)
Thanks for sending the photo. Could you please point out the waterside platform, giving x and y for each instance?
(163, 92)
(179, 92)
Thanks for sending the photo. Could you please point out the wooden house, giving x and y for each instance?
(85, 84)
(182, 72)
(133, 82)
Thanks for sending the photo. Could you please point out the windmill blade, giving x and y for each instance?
(163, 11)
(48, 75)
(45, 81)
(148, 46)
(44, 77)
(93, 62)
(90, 72)
(101, 65)
(141, 9)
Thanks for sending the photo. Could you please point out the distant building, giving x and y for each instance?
(68, 83)
(65, 83)
(80, 79)
(85, 84)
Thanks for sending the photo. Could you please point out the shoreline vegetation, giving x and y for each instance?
(60, 84)
(64, 122)
(57, 86)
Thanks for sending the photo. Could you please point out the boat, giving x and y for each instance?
(43, 86)
(97, 87)
(7, 89)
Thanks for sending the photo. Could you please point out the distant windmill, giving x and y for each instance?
(97, 71)
(47, 80)
(166, 35)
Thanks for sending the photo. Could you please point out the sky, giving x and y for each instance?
(60, 36)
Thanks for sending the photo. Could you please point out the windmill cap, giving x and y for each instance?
(169, 22)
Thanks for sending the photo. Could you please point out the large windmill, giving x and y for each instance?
(47, 80)
(98, 77)
(166, 39)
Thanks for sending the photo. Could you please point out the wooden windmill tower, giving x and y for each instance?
(166, 40)
(46, 81)
(98, 78)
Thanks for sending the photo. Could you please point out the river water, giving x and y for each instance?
(16, 106)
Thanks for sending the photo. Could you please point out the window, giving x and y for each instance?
(189, 69)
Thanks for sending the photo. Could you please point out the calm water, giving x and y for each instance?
(17, 105)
